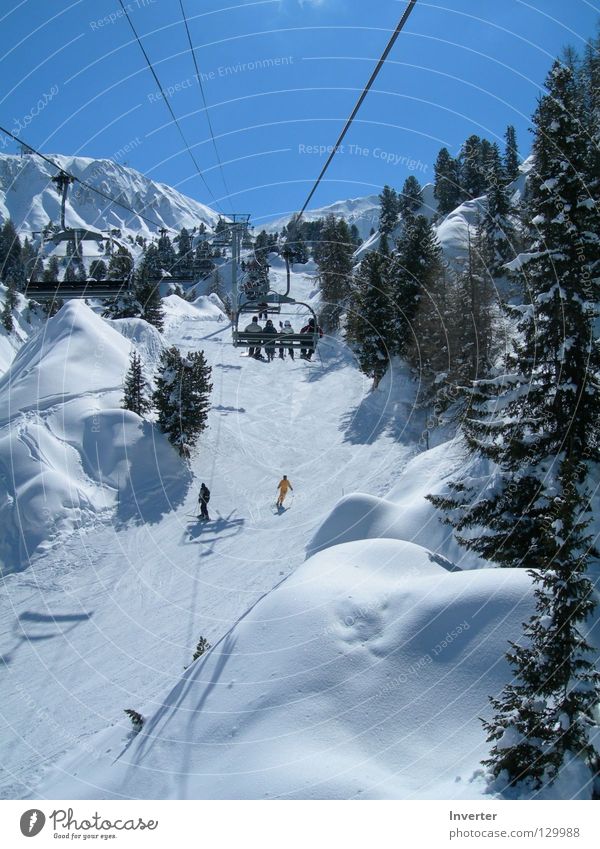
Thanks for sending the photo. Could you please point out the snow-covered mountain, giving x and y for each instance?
(30, 198)
(364, 212)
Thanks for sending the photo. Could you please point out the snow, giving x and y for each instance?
(363, 212)
(28, 196)
(355, 644)
(363, 675)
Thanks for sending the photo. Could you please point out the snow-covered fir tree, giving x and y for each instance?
(334, 257)
(410, 199)
(147, 296)
(413, 268)
(472, 168)
(388, 210)
(370, 317)
(166, 256)
(98, 269)
(447, 187)
(135, 390)
(182, 397)
(10, 302)
(185, 254)
(511, 154)
(539, 423)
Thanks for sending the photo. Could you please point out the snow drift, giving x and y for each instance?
(363, 674)
(68, 453)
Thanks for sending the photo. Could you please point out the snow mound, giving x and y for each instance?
(405, 513)
(363, 674)
(67, 452)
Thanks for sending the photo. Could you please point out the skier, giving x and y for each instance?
(270, 345)
(286, 330)
(253, 327)
(283, 486)
(306, 353)
(203, 500)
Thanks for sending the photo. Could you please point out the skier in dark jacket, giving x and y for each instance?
(203, 500)
(309, 329)
(270, 346)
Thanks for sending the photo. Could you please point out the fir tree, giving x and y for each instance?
(10, 302)
(11, 256)
(410, 200)
(98, 270)
(511, 154)
(120, 265)
(471, 168)
(166, 257)
(539, 423)
(182, 397)
(447, 187)
(185, 255)
(413, 268)
(389, 209)
(334, 257)
(134, 390)
(369, 324)
(498, 228)
(137, 720)
(147, 295)
(202, 647)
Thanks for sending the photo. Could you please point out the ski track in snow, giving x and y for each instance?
(108, 618)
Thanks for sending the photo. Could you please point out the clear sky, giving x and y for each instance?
(280, 78)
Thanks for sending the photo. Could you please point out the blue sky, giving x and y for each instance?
(280, 77)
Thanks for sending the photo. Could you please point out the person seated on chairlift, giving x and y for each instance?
(306, 353)
(253, 327)
(270, 346)
(286, 329)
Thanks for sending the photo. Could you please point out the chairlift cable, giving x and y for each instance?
(167, 104)
(359, 102)
(206, 111)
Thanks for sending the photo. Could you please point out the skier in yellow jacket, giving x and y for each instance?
(283, 486)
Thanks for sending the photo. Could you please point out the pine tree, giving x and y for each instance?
(10, 302)
(511, 154)
(202, 647)
(134, 390)
(410, 200)
(11, 256)
(166, 257)
(471, 330)
(182, 397)
(355, 235)
(498, 228)
(471, 169)
(389, 209)
(539, 423)
(147, 295)
(334, 257)
(369, 324)
(120, 265)
(98, 270)
(447, 186)
(185, 255)
(413, 268)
